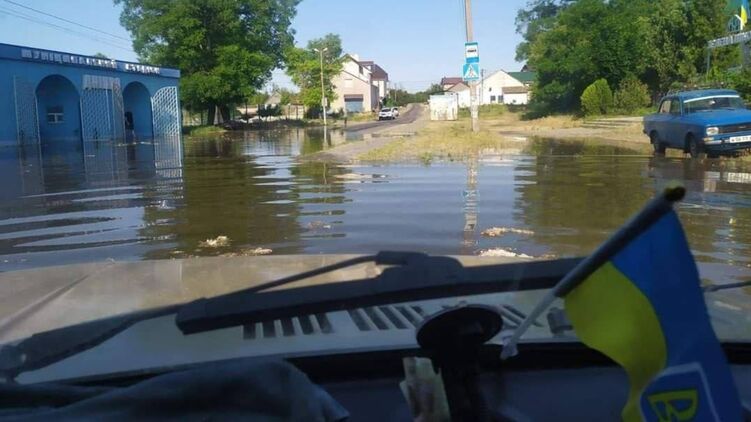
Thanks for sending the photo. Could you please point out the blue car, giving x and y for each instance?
(702, 122)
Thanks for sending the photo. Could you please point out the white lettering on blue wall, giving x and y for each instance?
(52, 57)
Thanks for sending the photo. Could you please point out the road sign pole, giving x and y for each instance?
(473, 108)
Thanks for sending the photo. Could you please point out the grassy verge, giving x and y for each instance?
(361, 117)
(202, 130)
(440, 140)
(487, 111)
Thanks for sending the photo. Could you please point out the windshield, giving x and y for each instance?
(713, 103)
(155, 153)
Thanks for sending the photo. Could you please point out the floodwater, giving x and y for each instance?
(144, 202)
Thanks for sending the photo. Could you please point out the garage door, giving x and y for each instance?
(353, 103)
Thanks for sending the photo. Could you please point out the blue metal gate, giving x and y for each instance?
(27, 121)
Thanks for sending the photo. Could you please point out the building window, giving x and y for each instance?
(360, 69)
(490, 89)
(55, 115)
(492, 98)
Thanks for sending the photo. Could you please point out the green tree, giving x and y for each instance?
(597, 98)
(662, 43)
(226, 49)
(287, 96)
(678, 32)
(304, 68)
(631, 95)
(100, 55)
(536, 18)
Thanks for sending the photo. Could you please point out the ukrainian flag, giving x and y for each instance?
(744, 13)
(645, 309)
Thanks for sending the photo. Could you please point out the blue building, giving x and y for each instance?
(55, 98)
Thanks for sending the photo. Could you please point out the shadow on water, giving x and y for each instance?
(158, 201)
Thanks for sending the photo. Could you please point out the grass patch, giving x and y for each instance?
(203, 130)
(361, 117)
(487, 111)
(440, 140)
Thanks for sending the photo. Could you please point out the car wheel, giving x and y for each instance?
(658, 146)
(695, 149)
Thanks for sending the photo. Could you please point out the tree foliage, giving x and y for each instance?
(597, 98)
(632, 94)
(401, 97)
(661, 43)
(226, 49)
(304, 68)
(536, 18)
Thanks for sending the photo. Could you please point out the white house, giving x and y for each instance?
(492, 87)
(360, 86)
(379, 77)
(499, 87)
(515, 95)
(462, 92)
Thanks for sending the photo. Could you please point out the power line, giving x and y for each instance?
(62, 28)
(68, 21)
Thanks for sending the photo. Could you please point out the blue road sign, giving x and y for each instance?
(471, 52)
(471, 72)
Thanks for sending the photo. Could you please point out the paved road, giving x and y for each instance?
(410, 115)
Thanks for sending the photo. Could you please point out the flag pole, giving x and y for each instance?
(651, 213)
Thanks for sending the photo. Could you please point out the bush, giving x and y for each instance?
(597, 98)
(631, 95)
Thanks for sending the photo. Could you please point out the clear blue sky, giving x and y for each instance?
(416, 41)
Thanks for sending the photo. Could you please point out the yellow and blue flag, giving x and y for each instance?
(744, 13)
(645, 309)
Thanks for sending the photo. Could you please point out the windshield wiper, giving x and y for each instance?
(729, 286)
(412, 276)
(419, 277)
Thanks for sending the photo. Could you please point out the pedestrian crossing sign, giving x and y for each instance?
(471, 72)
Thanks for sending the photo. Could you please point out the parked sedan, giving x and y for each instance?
(700, 122)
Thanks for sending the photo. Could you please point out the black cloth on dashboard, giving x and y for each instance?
(240, 390)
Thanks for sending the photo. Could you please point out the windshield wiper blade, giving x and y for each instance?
(415, 276)
(421, 278)
(729, 286)
(48, 347)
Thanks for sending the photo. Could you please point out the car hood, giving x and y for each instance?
(48, 298)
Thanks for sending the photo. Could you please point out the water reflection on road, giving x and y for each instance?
(118, 202)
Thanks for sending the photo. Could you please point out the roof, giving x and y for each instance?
(378, 73)
(515, 90)
(451, 80)
(461, 86)
(524, 77)
(685, 95)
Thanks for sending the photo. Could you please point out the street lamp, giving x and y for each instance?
(323, 92)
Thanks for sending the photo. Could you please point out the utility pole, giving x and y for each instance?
(482, 86)
(474, 111)
(323, 90)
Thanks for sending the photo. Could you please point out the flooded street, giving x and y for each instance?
(250, 194)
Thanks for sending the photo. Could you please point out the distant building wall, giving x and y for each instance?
(517, 98)
(462, 92)
(444, 106)
(492, 87)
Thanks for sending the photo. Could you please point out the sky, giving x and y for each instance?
(416, 41)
